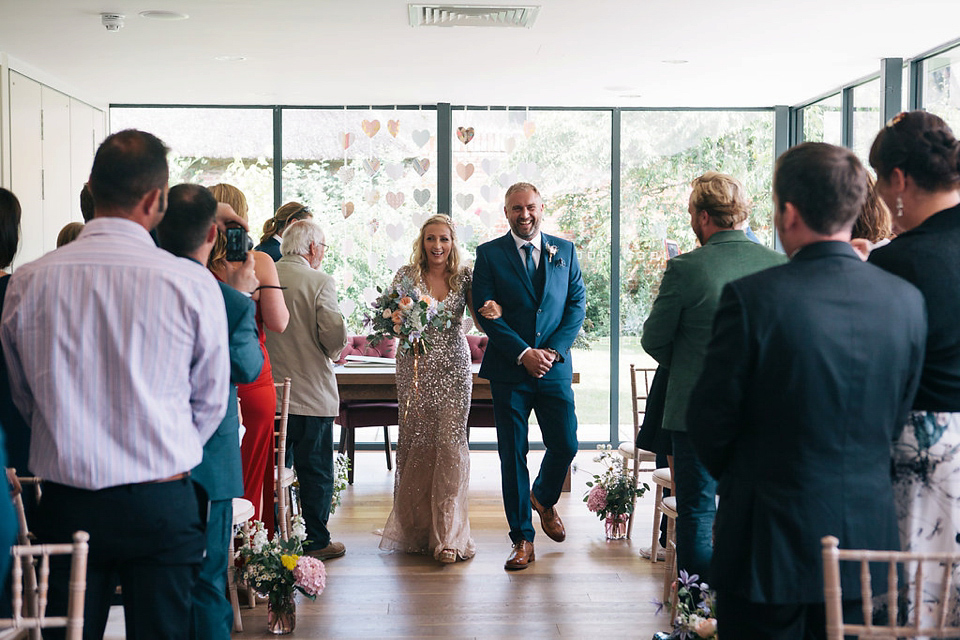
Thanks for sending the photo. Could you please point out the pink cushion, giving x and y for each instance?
(477, 344)
(358, 346)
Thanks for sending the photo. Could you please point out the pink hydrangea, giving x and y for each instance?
(311, 575)
(597, 499)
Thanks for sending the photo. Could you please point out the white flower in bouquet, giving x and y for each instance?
(298, 528)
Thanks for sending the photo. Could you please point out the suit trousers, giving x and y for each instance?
(310, 446)
(552, 402)
(212, 617)
(696, 492)
(745, 620)
(146, 537)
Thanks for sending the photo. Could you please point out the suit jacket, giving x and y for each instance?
(314, 337)
(271, 247)
(678, 329)
(549, 321)
(219, 472)
(808, 377)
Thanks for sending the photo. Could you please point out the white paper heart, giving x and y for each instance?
(418, 218)
(486, 217)
(464, 200)
(528, 170)
(371, 166)
(394, 262)
(490, 166)
(348, 247)
(346, 277)
(394, 231)
(464, 232)
(421, 165)
(345, 174)
(346, 209)
(509, 145)
(372, 196)
(347, 307)
(464, 171)
(421, 196)
(394, 170)
(370, 127)
(370, 295)
(507, 179)
(420, 137)
(395, 199)
(373, 225)
(489, 193)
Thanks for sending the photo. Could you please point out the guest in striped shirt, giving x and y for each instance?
(118, 361)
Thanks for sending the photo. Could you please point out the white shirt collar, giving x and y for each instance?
(536, 241)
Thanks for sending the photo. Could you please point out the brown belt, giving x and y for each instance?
(173, 478)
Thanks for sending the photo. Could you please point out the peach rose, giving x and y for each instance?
(706, 627)
(397, 328)
(387, 313)
(405, 302)
(426, 299)
(397, 317)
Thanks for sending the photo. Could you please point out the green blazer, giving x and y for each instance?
(680, 324)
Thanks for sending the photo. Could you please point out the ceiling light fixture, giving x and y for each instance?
(230, 58)
(463, 15)
(674, 61)
(111, 21)
(163, 15)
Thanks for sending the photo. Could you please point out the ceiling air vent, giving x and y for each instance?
(463, 15)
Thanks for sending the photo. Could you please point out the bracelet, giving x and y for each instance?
(268, 286)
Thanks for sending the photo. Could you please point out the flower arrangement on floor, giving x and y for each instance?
(696, 610)
(613, 491)
(404, 313)
(277, 568)
(341, 468)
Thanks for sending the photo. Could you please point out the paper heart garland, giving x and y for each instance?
(371, 166)
(392, 127)
(395, 199)
(394, 231)
(347, 307)
(373, 225)
(507, 179)
(464, 232)
(529, 127)
(509, 145)
(421, 196)
(345, 174)
(372, 196)
(370, 295)
(486, 218)
(465, 134)
(490, 166)
(421, 165)
(464, 171)
(346, 139)
(394, 262)
(394, 170)
(420, 137)
(464, 200)
(528, 170)
(371, 127)
(489, 193)
(347, 209)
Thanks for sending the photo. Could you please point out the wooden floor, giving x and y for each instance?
(584, 587)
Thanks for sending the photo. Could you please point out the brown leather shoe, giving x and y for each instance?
(550, 520)
(521, 556)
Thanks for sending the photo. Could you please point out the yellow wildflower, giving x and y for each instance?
(290, 562)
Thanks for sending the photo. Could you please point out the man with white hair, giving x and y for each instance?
(305, 353)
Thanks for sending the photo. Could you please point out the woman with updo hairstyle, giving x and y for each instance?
(258, 400)
(15, 429)
(273, 228)
(917, 160)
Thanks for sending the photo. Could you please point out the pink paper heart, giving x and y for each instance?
(346, 139)
(370, 127)
(395, 199)
(392, 127)
(421, 165)
(465, 134)
(347, 209)
(529, 127)
(464, 171)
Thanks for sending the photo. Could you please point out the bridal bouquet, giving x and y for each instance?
(404, 313)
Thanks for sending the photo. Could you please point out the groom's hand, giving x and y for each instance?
(537, 362)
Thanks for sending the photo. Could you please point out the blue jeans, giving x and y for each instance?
(310, 441)
(696, 508)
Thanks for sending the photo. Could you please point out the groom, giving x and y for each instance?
(536, 280)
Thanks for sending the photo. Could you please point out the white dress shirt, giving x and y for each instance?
(536, 241)
(118, 358)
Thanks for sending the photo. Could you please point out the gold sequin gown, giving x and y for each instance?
(433, 460)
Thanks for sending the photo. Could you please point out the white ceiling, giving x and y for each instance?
(579, 52)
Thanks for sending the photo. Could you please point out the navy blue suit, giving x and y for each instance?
(271, 247)
(219, 474)
(545, 313)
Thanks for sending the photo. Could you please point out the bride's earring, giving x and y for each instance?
(899, 207)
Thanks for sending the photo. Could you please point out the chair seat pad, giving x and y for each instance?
(663, 477)
(287, 478)
(242, 510)
(669, 506)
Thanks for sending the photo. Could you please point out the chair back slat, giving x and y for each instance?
(892, 592)
(282, 418)
(866, 592)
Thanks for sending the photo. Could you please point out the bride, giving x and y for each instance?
(430, 513)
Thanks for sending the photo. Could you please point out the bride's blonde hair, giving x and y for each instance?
(418, 259)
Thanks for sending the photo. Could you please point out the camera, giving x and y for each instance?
(238, 244)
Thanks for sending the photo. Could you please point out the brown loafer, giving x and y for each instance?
(550, 520)
(521, 556)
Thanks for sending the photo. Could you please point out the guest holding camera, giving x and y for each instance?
(258, 399)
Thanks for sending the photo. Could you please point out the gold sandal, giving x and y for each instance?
(448, 556)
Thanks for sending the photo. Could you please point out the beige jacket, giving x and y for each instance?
(314, 338)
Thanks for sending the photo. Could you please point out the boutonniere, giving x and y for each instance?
(551, 252)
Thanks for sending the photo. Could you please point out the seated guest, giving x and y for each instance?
(188, 231)
(305, 353)
(806, 380)
(121, 402)
(274, 227)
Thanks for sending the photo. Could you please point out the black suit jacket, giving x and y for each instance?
(809, 375)
(271, 247)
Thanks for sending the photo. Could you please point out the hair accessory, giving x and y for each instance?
(899, 207)
(897, 118)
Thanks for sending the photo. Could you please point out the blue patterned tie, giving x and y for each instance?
(531, 267)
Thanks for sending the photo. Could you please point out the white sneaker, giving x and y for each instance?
(661, 553)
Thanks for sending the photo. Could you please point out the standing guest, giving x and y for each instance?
(188, 231)
(873, 227)
(805, 382)
(69, 233)
(274, 227)
(676, 335)
(536, 279)
(15, 429)
(258, 399)
(430, 504)
(917, 160)
(86, 203)
(305, 353)
(116, 444)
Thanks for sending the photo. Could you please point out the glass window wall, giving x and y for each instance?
(823, 121)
